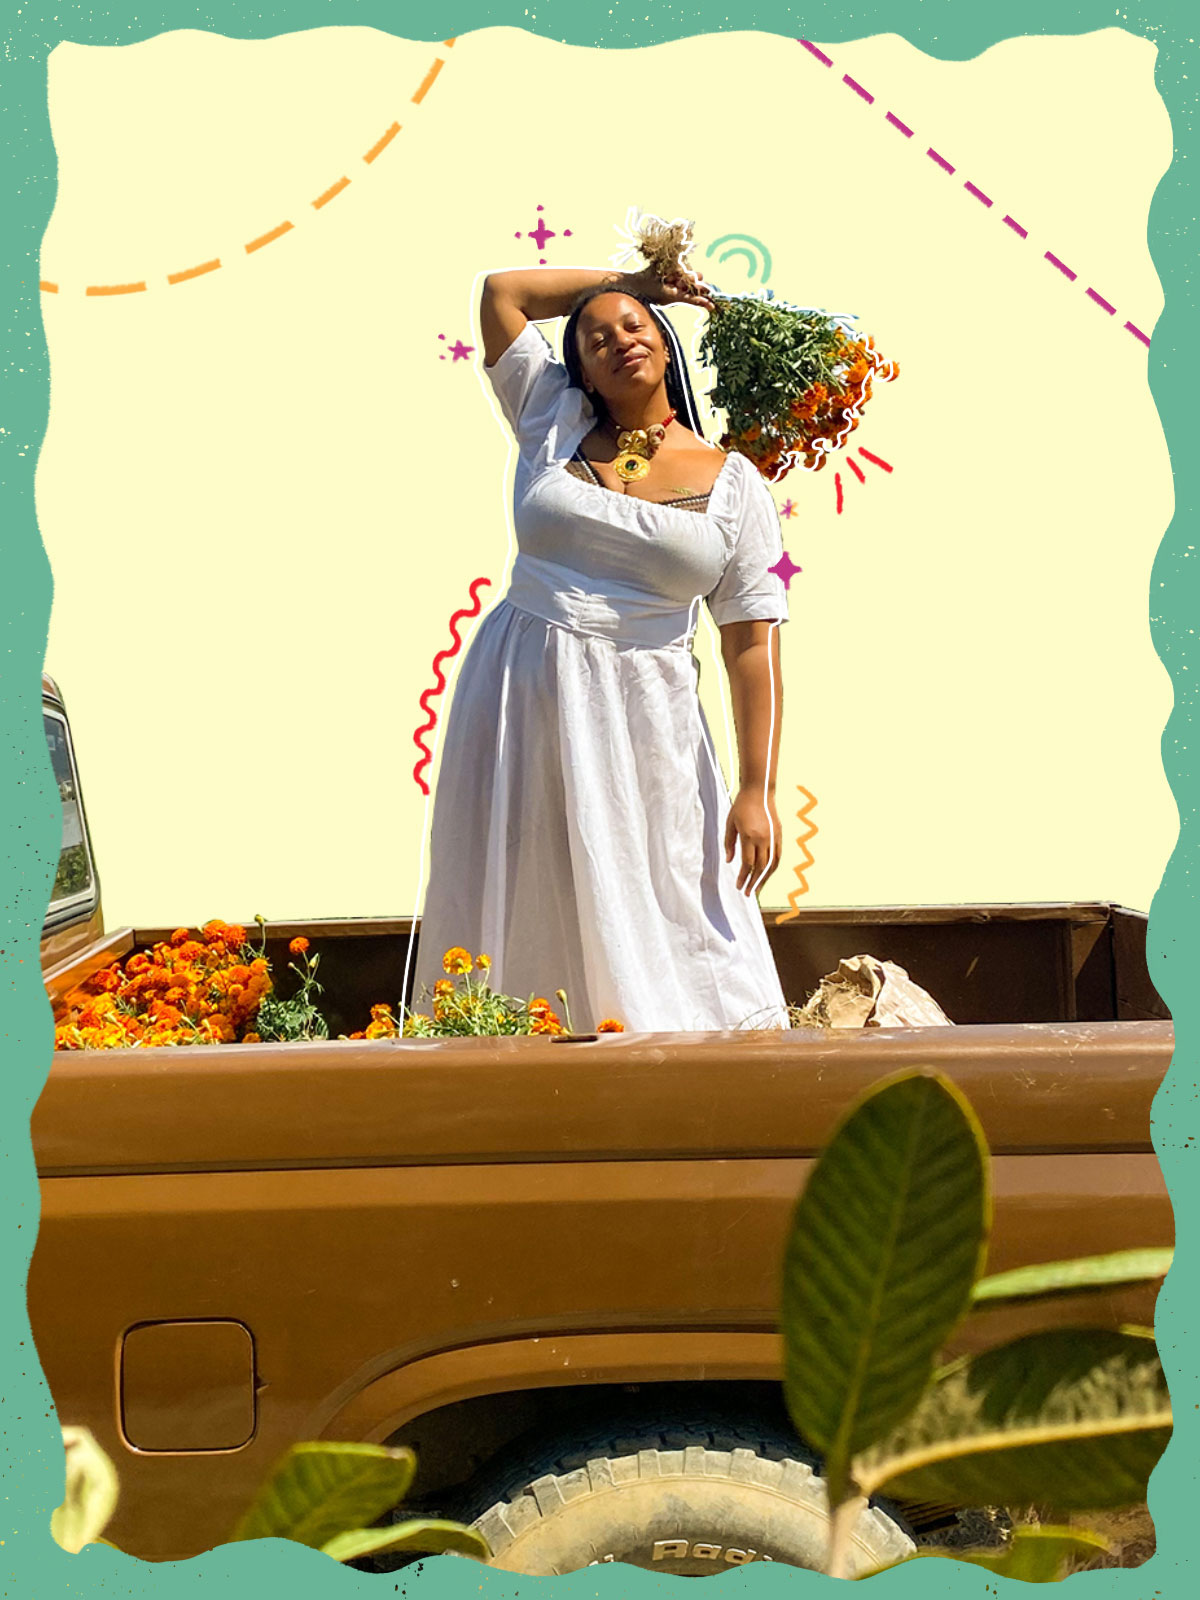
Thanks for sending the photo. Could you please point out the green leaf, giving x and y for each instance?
(428, 1537)
(885, 1245)
(1075, 1418)
(1037, 1554)
(91, 1492)
(320, 1489)
(1073, 1277)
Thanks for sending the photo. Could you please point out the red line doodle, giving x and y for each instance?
(472, 610)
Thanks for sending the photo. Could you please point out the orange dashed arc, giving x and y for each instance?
(47, 286)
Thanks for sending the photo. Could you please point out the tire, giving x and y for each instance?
(675, 1501)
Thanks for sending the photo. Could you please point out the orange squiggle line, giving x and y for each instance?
(443, 655)
(788, 916)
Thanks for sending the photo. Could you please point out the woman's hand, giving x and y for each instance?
(684, 285)
(757, 825)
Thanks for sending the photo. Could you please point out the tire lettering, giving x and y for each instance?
(670, 1550)
(680, 1549)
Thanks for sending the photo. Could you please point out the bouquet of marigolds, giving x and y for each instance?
(473, 1008)
(792, 380)
(211, 989)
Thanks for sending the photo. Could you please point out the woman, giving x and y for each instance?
(580, 810)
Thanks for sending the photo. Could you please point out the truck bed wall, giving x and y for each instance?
(1050, 962)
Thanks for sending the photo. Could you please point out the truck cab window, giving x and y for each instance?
(74, 876)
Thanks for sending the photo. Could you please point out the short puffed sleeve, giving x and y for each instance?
(748, 591)
(534, 389)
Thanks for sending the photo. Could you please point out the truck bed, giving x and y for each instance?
(425, 1239)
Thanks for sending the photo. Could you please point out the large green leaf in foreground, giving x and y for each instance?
(885, 1246)
(1075, 1419)
(1036, 1554)
(324, 1488)
(91, 1492)
(424, 1536)
(1087, 1273)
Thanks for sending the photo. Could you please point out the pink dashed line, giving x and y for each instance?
(971, 189)
(1062, 267)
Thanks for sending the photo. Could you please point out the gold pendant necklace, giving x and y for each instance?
(635, 447)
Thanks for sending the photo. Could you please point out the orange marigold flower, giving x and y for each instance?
(252, 1038)
(457, 959)
(235, 935)
(178, 937)
(383, 1009)
(298, 945)
(484, 962)
(610, 1025)
(212, 931)
(443, 986)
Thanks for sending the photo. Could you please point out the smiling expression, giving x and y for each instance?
(621, 351)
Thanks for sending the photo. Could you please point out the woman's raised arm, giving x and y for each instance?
(511, 299)
(533, 294)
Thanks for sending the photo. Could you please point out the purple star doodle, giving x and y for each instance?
(785, 568)
(541, 234)
(458, 349)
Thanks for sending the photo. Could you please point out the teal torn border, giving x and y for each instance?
(31, 1471)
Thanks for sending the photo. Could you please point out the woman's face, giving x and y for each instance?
(621, 350)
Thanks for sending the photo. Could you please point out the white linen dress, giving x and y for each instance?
(579, 819)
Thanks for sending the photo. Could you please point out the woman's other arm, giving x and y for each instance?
(750, 651)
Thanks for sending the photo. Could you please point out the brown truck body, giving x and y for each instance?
(452, 1242)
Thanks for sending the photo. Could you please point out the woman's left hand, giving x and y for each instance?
(756, 824)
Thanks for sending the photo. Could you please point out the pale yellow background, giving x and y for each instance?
(263, 494)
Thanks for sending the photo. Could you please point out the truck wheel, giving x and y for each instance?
(678, 1502)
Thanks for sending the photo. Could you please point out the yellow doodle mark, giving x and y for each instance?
(194, 272)
(334, 188)
(427, 82)
(323, 199)
(382, 144)
(802, 841)
(266, 238)
(115, 288)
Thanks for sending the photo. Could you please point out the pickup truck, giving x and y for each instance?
(551, 1266)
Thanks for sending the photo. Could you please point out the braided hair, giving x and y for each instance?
(679, 387)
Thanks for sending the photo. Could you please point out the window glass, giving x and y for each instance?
(74, 876)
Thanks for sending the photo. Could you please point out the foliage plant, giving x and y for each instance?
(791, 380)
(472, 1008)
(883, 1262)
(323, 1494)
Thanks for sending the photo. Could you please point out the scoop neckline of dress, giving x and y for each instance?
(617, 494)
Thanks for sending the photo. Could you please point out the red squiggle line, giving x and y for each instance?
(472, 610)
